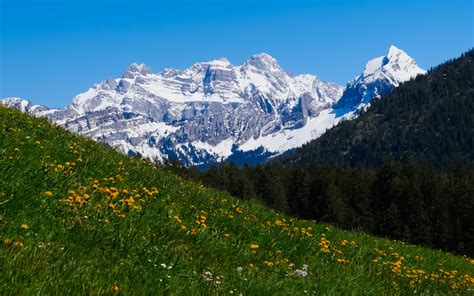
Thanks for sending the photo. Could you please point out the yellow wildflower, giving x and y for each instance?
(253, 246)
(25, 226)
(268, 263)
(115, 288)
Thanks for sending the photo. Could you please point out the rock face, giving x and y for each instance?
(215, 111)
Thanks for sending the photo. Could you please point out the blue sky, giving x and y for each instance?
(52, 50)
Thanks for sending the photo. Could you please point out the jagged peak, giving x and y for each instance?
(262, 61)
(135, 69)
(395, 51)
(220, 62)
(263, 57)
(395, 59)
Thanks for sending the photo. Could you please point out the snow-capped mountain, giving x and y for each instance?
(380, 76)
(215, 111)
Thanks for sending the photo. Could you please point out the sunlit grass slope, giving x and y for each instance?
(79, 218)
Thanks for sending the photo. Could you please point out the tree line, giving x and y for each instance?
(406, 201)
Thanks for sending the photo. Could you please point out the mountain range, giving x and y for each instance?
(215, 111)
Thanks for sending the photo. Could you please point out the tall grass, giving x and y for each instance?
(77, 217)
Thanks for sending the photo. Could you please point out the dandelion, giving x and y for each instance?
(268, 263)
(48, 193)
(343, 260)
(115, 288)
(254, 246)
(7, 241)
(19, 244)
(25, 226)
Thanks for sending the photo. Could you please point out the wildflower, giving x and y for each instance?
(253, 246)
(17, 149)
(37, 142)
(268, 263)
(7, 241)
(239, 269)
(48, 193)
(25, 226)
(124, 191)
(115, 288)
(343, 260)
(207, 276)
(226, 235)
(111, 206)
(300, 273)
(19, 244)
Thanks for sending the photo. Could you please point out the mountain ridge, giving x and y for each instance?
(212, 110)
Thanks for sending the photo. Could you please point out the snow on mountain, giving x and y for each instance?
(214, 110)
(380, 76)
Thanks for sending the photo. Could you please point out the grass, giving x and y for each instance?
(77, 217)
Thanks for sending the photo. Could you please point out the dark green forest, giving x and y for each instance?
(404, 201)
(403, 169)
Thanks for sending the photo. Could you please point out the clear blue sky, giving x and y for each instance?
(52, 50)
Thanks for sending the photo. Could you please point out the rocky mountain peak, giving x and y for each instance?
(135, 69)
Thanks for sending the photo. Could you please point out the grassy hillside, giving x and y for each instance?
(79, 218)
